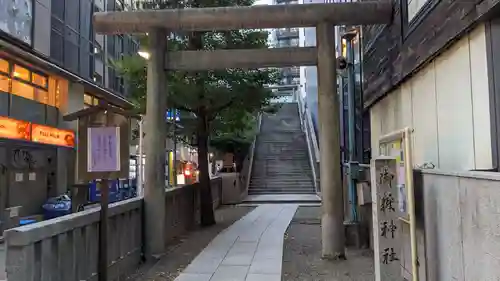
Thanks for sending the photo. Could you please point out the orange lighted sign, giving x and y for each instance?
(49, 135)
(14, 129)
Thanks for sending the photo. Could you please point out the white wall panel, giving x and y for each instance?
(480, 99)
(454, 104)
(447, 105)
(423, 87)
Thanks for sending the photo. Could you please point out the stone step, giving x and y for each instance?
(280, 191)
(281, 182)
(282, 172)
(282, 187)
(307, 184)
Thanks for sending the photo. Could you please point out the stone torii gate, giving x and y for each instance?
(157, 23)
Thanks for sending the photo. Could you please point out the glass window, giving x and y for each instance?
(22, 73)
(71, 56)
(4, 83)
(87, 99)
(56, 46)
(23, 90)
(42, 96)
(4, 66)
(58, 91)
(86, 19)
(57, 7)
(72, 14)
(39, 80)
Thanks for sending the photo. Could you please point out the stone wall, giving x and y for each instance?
(66, 248)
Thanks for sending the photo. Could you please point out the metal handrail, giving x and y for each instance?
(312, 145)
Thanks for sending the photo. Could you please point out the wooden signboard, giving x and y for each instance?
(95, 123)
(386, 225)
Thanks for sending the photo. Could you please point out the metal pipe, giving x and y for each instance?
(174, 167)
(351, 119)
(140, 167)
(411, 202)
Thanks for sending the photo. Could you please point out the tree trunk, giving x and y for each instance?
(207, 217)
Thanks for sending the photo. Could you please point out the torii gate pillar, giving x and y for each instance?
(154, 143)
(332, 223)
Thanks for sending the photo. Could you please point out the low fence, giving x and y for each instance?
(458, 215)
(458, 226)
(183, 210)
(66, 248)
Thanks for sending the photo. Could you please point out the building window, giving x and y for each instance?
(414, 6)
(89, 100)
(97, 78)
(17, 19)
(29, 84)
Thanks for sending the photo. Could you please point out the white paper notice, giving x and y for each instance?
(19, 176)
(14, 212)
(32, 176)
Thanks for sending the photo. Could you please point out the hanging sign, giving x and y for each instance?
(14, 129)
(53, 136)
(103, 149)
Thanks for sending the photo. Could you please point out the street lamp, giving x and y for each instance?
(144, 54)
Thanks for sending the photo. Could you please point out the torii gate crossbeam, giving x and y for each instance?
(158, 23)
(253, 17)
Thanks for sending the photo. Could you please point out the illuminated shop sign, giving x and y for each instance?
(22, 130)
(14, 129)
(49, 135)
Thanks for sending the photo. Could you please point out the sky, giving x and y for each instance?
(263, 2)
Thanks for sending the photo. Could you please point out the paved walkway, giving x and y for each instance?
(250, 250)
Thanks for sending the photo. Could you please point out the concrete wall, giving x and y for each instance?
(462, 234)
(447, 105)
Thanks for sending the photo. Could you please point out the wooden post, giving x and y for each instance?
(102, 267)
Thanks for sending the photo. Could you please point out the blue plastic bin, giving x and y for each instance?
(95, 194)
(56, 207)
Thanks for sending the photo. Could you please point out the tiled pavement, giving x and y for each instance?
(250, 250)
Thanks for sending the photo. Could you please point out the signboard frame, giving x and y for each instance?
(103, 119)
(405, 164)
(98, 148)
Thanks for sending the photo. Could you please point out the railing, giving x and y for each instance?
(66, 248)
(312, 144)
(246, 172)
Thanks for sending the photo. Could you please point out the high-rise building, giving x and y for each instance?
(282, 38)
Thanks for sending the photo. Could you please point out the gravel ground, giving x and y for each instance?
(181, 252)
(302, 254)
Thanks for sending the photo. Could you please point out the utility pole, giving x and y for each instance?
(351, 105)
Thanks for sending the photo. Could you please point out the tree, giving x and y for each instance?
(214, 98)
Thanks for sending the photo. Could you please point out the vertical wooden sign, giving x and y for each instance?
(386, 224)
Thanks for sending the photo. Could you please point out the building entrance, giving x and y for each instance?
(27, 180)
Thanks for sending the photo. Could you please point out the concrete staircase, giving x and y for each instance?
(281, 162)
